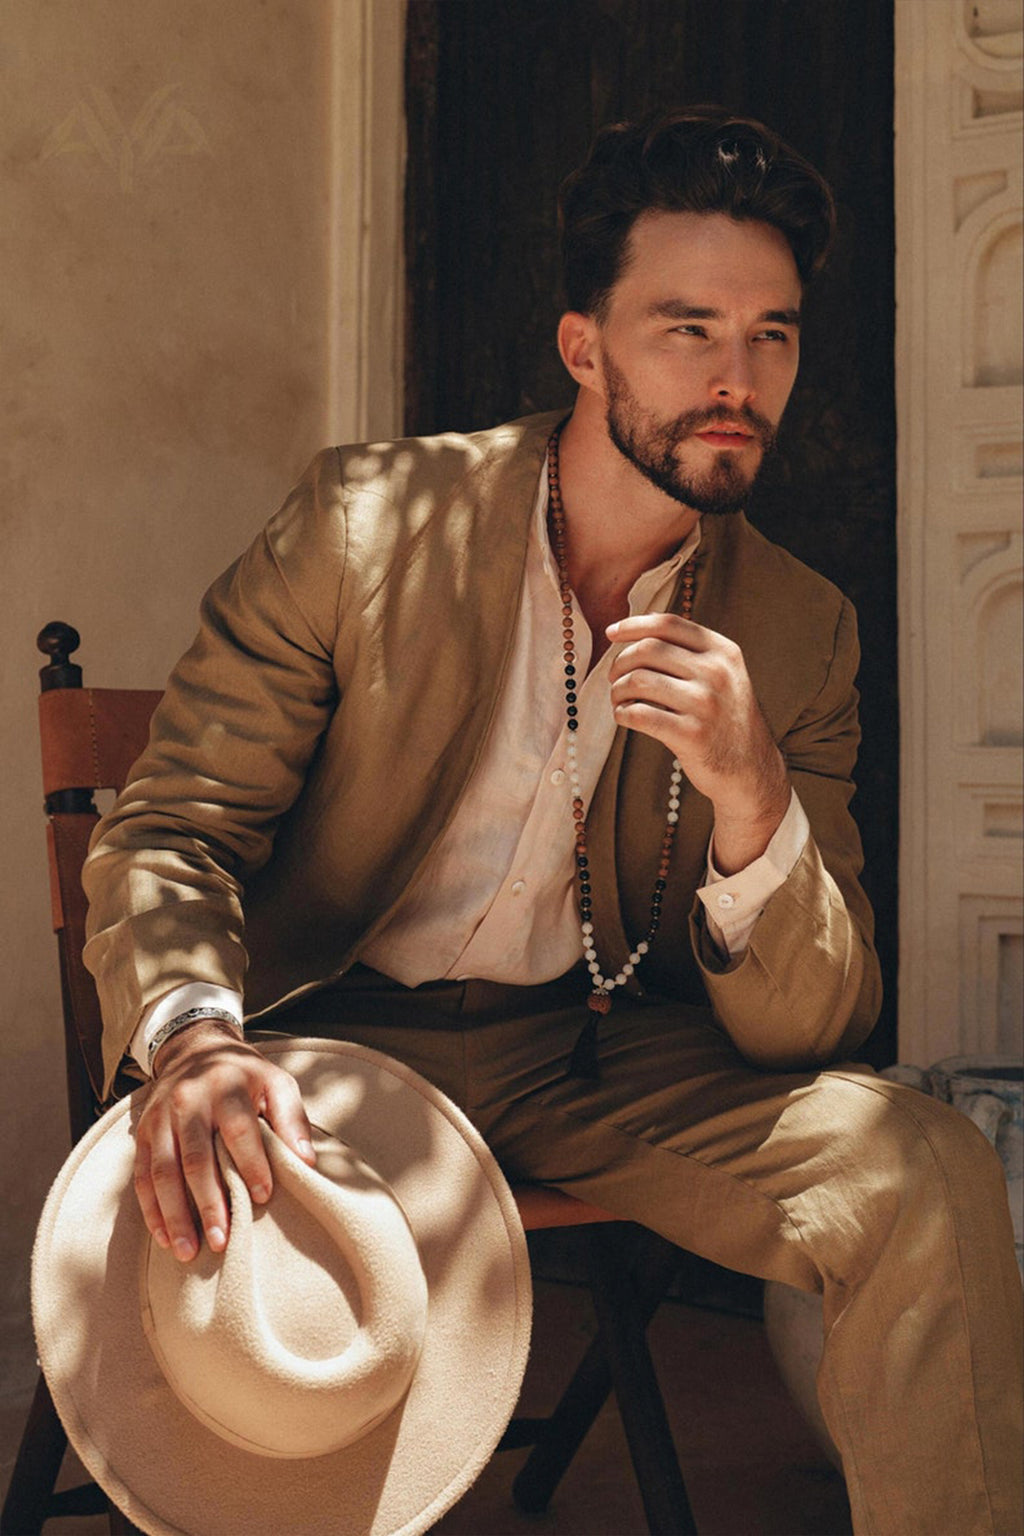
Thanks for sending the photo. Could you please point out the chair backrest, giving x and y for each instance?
(89, 738)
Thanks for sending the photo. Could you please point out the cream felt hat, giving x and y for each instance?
(347, 1365)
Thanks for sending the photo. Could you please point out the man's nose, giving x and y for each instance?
(733, 379)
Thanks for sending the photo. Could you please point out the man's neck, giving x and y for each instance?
(619, 524)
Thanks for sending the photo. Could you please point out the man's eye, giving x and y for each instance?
(772, 336)
(690, 330)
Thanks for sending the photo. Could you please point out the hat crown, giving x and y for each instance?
(240, 1336)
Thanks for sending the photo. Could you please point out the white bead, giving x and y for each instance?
(600, 983)
(595, 971)
(588, 928)
(629, 967)
(620, 980)
(642, 947)
(672, 818)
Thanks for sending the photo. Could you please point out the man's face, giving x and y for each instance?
(699, 351)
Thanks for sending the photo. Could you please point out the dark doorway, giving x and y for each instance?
(503, 97)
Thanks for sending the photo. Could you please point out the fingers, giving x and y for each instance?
(202, 1180)
(666, 642)
(665, 690)
(668, 663)
(162, 1192)
(672, 730)
(286, 1115)
(236, 1116)
(655, 656)
(222, 1089)
(145, 1193)
(670, 627)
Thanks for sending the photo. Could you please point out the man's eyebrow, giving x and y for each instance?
(682, 309)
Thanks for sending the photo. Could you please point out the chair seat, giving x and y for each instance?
(540, 1205)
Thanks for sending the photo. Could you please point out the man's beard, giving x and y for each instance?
(650, 446)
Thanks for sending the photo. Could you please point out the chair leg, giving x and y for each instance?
(623, 1327)
(625, 1306)
(561, 1435)
(36, 1467)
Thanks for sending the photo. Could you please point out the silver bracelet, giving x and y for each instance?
(182, 1021)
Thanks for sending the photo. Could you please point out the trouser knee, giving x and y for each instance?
(909, 1173)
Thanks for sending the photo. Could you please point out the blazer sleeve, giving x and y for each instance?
(807, 990)
(228, 750)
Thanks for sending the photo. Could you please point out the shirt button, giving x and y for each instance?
(558, 776)
(726, 900)
(518, 887)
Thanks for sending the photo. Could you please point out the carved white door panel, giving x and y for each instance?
(959, 391)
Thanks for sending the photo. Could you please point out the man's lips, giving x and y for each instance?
(725, 437)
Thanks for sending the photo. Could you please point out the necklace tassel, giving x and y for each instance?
(584, 1060)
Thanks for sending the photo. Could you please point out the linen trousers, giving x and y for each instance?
(889, 1203)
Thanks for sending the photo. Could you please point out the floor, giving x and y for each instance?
(751, 1468)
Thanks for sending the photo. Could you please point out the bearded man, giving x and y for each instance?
(482, 729)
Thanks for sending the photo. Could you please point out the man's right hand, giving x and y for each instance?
(207, 1080)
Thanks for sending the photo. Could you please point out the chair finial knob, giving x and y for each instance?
(57, 640)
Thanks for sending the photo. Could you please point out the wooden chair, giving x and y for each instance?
(90, 738)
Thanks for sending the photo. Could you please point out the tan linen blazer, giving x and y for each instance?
(314, 742)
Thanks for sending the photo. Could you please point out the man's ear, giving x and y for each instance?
(580, 351)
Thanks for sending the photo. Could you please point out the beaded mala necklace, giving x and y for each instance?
(602, 986)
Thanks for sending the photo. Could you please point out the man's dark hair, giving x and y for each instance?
(695, 160)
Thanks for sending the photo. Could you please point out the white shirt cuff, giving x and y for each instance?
(194, 994)
(733, 903)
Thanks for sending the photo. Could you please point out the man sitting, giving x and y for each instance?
(484, 729)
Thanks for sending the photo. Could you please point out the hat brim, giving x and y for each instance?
(170, 1473)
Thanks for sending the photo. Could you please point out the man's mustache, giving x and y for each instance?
(746, 418)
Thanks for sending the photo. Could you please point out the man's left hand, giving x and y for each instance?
(689, 688)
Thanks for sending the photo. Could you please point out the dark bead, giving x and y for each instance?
(582, 860)
(571, 711)
(570, 670)
(659, 885)
(572, 724)
(570, 696)
(585, 887)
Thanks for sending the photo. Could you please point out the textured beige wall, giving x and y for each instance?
(164, 222)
